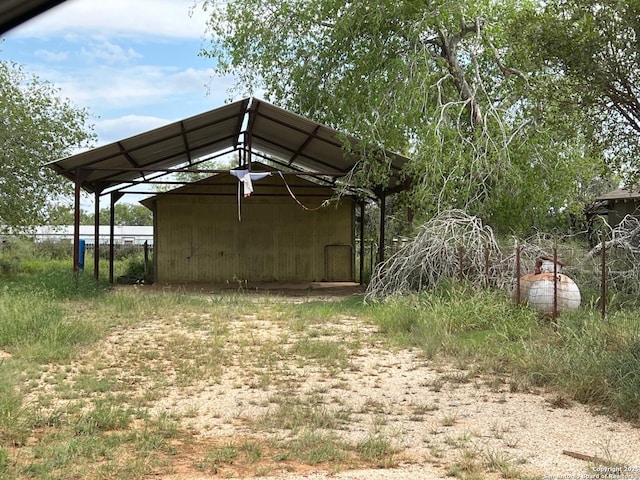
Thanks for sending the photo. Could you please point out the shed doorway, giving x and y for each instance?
(338, 263)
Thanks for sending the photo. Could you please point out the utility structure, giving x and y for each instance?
(208, 229)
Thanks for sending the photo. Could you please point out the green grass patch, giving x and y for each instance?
(326, 352)
(302, 316)
(378, 451)
(312, 448)
(218, 457)
(587, 359)
(37, 328)
(296, 414)
(100, 443)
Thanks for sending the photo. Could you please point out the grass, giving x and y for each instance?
(216, 457)
(295, 414)
(379, 451)
(586, 360)
(39, 330)
(312, 448)
(70, 409)
(329, 353)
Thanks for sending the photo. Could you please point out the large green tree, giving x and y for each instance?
(594, 47)
(36, 126)
(124, 214)
(437, 81)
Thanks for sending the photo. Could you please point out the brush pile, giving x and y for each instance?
(453, 244)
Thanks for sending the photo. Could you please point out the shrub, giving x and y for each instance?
(9, 265)
(53, 250)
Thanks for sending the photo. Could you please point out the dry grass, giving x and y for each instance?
(190, 385)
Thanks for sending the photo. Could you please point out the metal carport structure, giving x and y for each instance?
(252, 128)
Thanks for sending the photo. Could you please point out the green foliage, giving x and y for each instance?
(104, 417)
(328, 353)
(134, 266)
(589, 360)
(14, 428)
(377, 450)
(124, 214)
(53, 280)
(4, 461)
(440, 82)
(624, 376)
(33, 326)
(37, 127)
(9, 265)
(290, 414)
(587, 51)
(314, 447)
(52, 250)
(216, 457)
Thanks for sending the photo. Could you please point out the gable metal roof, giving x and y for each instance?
(620, 194)
(304, 143)
(285, 138)
(161, 148)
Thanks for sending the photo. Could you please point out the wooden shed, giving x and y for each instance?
(617, 204)
(206, 232)
(209, 231)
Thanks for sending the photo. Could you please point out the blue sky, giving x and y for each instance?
(133, 64)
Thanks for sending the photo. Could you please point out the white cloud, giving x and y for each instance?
(110, 87)
(53, 57)
(106, 87)
(132, 63)
(108, 52)
(159, 18)
(192, 79)
(115, 129)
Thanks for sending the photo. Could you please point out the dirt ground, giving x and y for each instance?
(441, 418)
(316, 290)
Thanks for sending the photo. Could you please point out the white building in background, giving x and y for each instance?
(122, 234)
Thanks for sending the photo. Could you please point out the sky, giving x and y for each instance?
(133, 64)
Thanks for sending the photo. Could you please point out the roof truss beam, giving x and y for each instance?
(282, 137)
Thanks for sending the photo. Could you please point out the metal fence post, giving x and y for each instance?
(518, 275)
(555, 284)
(603, 279)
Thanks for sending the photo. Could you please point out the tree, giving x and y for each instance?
(62, 214)
(124, 214)
(193, 174)
(433, 80)
(36, 127)
(594, 45)
(128, 214)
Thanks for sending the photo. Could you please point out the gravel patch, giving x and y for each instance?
(438, 416)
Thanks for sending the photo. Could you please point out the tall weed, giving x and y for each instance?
(36, 328)
(14, 428)
(590, 360)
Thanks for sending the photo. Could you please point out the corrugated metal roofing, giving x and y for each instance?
(620, 194)
(305, 143)
(161, 148)
(286, 138)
